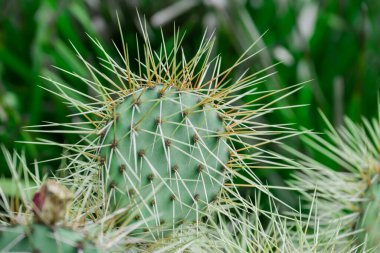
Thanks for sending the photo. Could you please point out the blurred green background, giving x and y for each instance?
(335, 44)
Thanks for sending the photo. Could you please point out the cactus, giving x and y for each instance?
(345, 186)
(166, 143)
(161, 156)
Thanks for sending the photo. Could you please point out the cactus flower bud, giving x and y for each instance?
(50, 202)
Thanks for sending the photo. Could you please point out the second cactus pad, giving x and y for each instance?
(369, 222)
(39, 238)
(164, 155)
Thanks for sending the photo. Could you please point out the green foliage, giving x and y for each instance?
(34, 37)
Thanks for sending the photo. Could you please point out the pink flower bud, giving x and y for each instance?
(50, 202)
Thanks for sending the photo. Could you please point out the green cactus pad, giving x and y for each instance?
(164, 156)
(38, 238)
(370, 220)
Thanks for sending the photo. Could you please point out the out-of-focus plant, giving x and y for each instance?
(34, 37)
(345, 186)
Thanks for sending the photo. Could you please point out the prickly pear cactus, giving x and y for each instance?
(39, 238)
(165, 155)
(167, 140)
